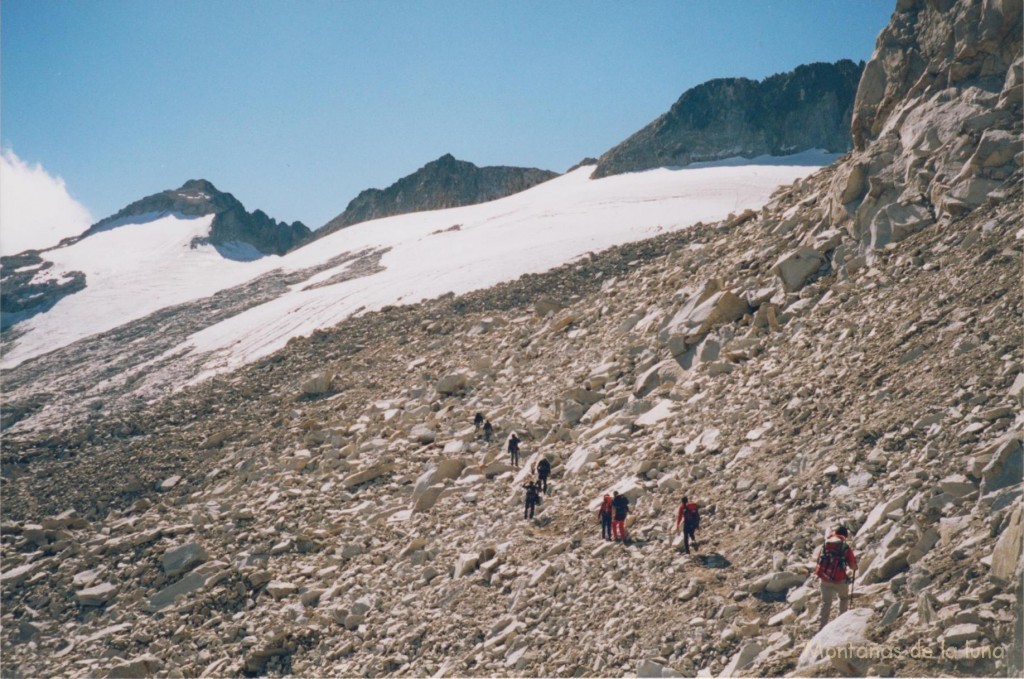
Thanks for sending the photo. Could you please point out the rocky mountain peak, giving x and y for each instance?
(806, 108)
(442, 183)
(231, 225)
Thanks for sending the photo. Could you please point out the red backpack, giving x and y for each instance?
(606, 506)
(832, 560)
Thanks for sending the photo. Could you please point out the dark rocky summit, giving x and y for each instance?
(29, 287)
(232, 224)
(809, 107)
(443, 183)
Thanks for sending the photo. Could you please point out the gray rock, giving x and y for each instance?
(452, 383)
(182, 558)
(189, 584)
(96, 596)
(141, 666)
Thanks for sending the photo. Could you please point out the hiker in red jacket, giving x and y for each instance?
(605, 515)
(834, 560)
(688, 515)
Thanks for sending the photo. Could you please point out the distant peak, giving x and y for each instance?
(199, 185)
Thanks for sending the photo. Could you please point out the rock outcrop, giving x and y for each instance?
(25, 293)
(807, 108)
(443, 183)
(232, 224)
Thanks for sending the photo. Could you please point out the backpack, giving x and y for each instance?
(543, 467)
(691, 516)
(832, 560)
(606, 506)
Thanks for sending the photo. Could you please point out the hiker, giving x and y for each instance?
(513, 448)
(532, 499)
(605, 515)
(620, 508)
(478, 419)
(834, 558)
(488, 430)
(543, 472)
(688, 515)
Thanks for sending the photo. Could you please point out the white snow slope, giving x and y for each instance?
(136, 269)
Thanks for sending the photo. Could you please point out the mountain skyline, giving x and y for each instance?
(317, 114)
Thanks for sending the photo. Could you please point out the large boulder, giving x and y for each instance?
(465, 565)
(662, 410)
(579, 459)
(703, 312)
(452, 383)
(1005, 467)
(319, 383)
(367, 475)
(795, 267)
(427, 499)
(1006, 557)
(838, 641)
(189, 584)
(666, 372)
(742, 659)
(897, 222)
(96, 596)
(423, 433)
(177, 560)
(145, 665)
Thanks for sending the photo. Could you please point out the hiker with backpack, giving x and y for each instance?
(834, 559)
(488, 430)
(543, 472)
(532, 499)
(478, 419)
(688, 515)
(620, 509)
(605, 516)
(513, 448)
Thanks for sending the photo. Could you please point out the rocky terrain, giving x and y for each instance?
(850, 352)
(21, 297)
(807, 108)
(231, 225)
(443, 183)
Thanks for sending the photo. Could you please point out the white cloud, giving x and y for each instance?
(36, 210)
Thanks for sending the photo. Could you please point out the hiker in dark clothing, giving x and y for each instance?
(532, 499)
(620, 509)
(543, 472)
(513, 449)
(478, 420)
(688, 515)
(488, 430)
(605, 515)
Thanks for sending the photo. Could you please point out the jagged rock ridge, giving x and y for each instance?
(231, 224)
(807, 108)
(443, 183)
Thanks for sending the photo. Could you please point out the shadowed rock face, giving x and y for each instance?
(232, 224)
(443, 183)
(809, 107)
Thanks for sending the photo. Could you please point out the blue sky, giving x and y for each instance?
(297, 106)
